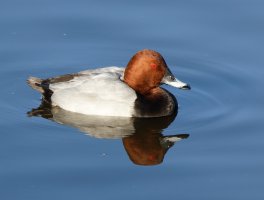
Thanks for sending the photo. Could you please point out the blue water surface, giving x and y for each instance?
(216, 46)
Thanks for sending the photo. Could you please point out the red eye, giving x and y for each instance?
(153, 66)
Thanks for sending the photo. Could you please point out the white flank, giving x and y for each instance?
(96, 92)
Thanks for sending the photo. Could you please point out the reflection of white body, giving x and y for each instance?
(95, 92)
(96, 126)
(109, 127)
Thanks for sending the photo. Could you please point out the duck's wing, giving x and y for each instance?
(89, 79)
(43, 85)
(96, 92)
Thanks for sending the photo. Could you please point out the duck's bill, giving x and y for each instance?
(168, 141)
(170, 79)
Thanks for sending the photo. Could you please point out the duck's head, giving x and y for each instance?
(147, 70)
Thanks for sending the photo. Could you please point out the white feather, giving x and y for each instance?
(96, 92)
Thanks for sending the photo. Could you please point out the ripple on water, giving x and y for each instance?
(213, 96)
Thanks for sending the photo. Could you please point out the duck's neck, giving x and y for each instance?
(153, 94)
(143, 89)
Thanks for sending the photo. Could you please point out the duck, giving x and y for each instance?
(133, 91)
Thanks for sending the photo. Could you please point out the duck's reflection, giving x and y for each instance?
(142, 137)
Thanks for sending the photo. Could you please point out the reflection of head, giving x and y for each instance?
(147, 146)
(145, 149)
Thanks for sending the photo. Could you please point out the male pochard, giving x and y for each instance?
(113, 91)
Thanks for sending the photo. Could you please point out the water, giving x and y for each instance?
(216, 46)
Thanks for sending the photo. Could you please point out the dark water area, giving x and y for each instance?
(216, 46)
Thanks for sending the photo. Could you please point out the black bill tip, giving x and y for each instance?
(186, 87)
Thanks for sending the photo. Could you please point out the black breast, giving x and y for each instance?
(162, 105)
